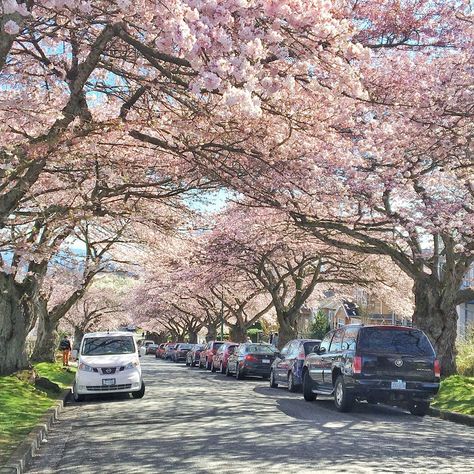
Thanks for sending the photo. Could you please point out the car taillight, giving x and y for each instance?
(357, 365)
(437, 368)
(250, 358)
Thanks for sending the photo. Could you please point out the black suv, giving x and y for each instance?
(375, 363)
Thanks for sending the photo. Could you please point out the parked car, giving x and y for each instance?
(219, 361)
(143, 346)
(251, 359)
(160, 351)
(108, 363)
(287, 368)
(207, 354)
(169, 350)
(180, 352)
(192, 357)
(151, 349)
(391, 364)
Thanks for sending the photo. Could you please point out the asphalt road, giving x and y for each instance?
(191, 421)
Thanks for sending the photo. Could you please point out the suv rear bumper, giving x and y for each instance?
(381, 389)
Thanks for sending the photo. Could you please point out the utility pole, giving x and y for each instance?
(222, 314)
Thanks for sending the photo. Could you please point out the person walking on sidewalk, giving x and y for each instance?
(65, 347)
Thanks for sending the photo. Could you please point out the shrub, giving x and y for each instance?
(465, 357)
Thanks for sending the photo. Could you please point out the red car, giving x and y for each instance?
(219, 361)
(206, 356)
(160, 352)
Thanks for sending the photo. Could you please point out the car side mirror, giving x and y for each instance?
(321, 350)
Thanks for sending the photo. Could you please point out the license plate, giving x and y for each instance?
(399, 385)
(108, 381)
(266, 361)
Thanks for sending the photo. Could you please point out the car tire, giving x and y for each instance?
(140, 392)
(308, 394)
(292, 387)
(273, 384)
(343, 399)
(77, 397)
(419, 408)
(238, 373)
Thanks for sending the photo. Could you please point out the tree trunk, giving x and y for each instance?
(78, 335)
(211, 332)
(435, 314)
(15, 324)
(238, 333)
(193, 337)
(288, 329)
(47, 335)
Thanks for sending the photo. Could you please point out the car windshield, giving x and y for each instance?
(185, 346)
(108, 345)
(395, 341)
(260, 349)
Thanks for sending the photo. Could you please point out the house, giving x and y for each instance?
(466, 310)
(364, 308)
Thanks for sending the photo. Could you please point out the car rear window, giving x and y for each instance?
(395, 341)
(310, 347)
(216, 345)
(257, 349)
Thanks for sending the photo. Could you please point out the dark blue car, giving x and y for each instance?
(287, 369)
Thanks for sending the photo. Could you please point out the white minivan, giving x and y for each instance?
(108, 363)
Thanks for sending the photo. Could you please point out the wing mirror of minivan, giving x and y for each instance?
(320, 350)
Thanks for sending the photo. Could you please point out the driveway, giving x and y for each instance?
(192, 421)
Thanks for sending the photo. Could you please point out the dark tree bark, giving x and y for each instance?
(435, 314)
(16, 321)
(46, 335)
(238, 333)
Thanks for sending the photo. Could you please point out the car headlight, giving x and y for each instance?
(85, 367)
(131, 365)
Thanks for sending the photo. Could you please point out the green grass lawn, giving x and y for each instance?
(22, 406)
(456, 394)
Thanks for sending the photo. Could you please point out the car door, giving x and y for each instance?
(281, 365)
(329, 358)
(315, 361)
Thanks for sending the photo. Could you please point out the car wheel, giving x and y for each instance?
(419, 408)
(77, 396)
(140, 393)
(343, 399)
(239, 375)
(308, 394)
(291, 383)
(273, 384)
(372, 401)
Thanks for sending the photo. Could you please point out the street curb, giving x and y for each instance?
(23, 454)
(450, 416)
